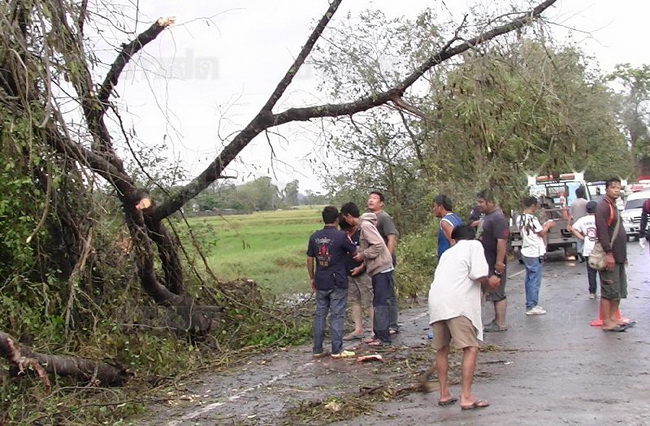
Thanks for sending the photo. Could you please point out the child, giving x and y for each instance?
(585, 230)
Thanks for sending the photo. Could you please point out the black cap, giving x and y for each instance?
(591, 206)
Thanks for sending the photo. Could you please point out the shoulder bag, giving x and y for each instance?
(598, 257)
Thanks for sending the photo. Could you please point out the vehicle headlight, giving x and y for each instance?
(627, 219)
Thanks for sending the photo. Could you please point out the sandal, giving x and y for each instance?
(449, 401)
(479, 403)
(352, 336)
(377, 342)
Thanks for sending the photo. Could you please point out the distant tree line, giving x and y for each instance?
(257, 195)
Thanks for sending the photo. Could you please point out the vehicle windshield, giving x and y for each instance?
(554, 190)
(635, 204)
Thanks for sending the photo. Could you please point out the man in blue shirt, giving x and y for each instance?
(326, 264)
(442, 209)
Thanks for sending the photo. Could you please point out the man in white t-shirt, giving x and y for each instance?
(455, 311)
(585, 230)
(533, 249)
(577, 210)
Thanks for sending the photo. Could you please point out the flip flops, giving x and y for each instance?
(377, 342)
(450, 401)
(479, 403)
(352, 336)
(617, 329)
(343, 354)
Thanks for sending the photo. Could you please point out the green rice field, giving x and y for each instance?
(268, 247)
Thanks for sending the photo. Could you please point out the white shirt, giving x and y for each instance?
(586, 225)
(532, 245)
(454, 291)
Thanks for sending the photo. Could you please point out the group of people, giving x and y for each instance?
(471, 267)
(354, 264)
(590, 222)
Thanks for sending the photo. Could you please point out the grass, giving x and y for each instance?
(268, 247)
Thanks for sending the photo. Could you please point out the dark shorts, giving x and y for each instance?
(613, 284)
(498, 294)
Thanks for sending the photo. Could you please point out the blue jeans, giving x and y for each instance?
(591, 277)
(332, 301)
(533, 280)
(383, 304)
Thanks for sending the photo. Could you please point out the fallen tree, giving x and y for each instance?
(45, 50)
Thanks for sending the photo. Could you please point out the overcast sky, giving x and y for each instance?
(226, 56)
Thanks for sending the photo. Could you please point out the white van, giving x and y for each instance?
(632, 212)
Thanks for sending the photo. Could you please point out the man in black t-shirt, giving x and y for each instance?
(327, 252)
(494, 237)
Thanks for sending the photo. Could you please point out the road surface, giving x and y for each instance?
(551, 369)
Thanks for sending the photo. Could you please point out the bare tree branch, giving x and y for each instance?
(447, 52)
(302, 56)
(128, 50)
(265, 119)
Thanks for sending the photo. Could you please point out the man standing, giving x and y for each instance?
(387, 230)
(329, 247)
(359, 285)
(613, 280)
(494, 237)
(455, 312)
(379, 265)
(533, 249)
(442, 209)
(577, 210)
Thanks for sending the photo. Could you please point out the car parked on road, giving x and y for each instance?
(632, 212)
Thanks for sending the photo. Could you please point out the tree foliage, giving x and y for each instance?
(499, 112)
(634, 112)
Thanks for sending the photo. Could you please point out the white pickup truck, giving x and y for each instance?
(555, 195)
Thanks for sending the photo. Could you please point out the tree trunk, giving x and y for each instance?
(85, 370)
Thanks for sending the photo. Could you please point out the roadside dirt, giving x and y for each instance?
(544, 370)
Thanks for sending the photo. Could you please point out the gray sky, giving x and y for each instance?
(225, 57)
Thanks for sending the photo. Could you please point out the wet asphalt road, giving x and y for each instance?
(563, 371)
(553, 369)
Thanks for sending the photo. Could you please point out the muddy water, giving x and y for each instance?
(550, 369)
